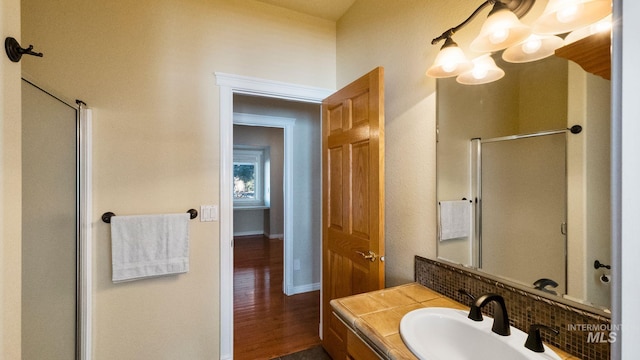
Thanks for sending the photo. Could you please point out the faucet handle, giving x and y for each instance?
(534, 341)
(540, 284)
(467, 293)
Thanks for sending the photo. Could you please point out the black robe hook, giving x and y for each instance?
(15, 51)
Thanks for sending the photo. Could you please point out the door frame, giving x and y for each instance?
(229, 85)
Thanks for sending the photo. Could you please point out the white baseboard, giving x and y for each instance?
(258, 232)
(248, 233)
(300, 289)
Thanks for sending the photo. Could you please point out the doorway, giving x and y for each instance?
(276, 238)
(231, 86)
(55, 237)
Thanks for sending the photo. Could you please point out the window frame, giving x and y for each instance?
(259, 157)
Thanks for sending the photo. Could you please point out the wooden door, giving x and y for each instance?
(352, 198)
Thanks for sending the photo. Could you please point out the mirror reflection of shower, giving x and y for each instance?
(537, 97)
(523, 208)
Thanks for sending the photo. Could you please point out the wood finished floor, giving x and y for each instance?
(267, 323)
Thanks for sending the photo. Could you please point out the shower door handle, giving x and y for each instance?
(563, 228)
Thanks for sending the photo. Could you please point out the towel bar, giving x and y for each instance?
(106, 217)
(464, 198)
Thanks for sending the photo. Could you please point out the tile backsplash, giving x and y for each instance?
(583, 334)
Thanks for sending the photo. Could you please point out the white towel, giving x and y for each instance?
(149, 245)
(455, 219)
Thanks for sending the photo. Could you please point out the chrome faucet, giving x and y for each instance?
(500, 317)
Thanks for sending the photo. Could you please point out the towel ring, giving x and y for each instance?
(106, 217)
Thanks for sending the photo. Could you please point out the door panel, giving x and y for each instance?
(360, 190)
(335, 188)
(353, 198)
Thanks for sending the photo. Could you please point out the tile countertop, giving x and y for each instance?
(375, 316)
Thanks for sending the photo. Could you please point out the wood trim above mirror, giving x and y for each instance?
(592, 53)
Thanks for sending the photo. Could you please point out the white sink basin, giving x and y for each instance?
(447, 334)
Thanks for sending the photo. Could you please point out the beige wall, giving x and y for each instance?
(598, 185)
(10, 189)
(589, 186)
(146, 68)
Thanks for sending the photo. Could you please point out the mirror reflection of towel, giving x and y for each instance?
(149, 245)
(454, 219)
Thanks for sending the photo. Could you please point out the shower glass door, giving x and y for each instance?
(50, 226)
(524, 208)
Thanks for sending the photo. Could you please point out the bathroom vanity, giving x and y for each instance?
(372, 320)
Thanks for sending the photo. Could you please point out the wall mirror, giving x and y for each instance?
(520, 196)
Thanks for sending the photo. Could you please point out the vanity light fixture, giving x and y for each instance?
(503, 30)
(500, 32)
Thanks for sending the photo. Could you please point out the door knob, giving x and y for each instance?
(369, 255)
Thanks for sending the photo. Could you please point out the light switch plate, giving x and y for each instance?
(208, 213)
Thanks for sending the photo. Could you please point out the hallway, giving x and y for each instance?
(267, 323)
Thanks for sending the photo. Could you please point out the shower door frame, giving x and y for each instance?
(476, 190)
(83, 221)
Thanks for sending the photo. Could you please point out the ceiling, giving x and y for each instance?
(326, 9)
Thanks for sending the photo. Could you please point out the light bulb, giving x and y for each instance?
(479, 72)
(449, 67)
(531, 46)
(499, 35)
(569, 13)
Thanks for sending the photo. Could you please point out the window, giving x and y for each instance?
(250, 176)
